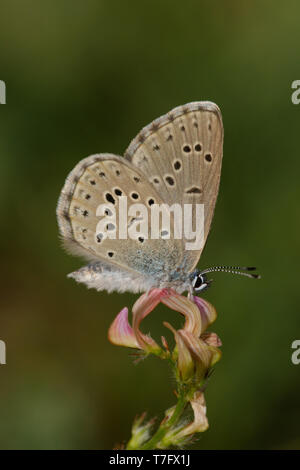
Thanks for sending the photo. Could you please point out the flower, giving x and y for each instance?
(122, 334)
(183, 432)
(140, 432)
(185, 362)
(196, 350)
(199, 313)
(200, 422)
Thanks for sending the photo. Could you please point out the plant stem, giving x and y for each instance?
(166, 425)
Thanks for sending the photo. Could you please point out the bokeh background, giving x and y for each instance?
(85, 77)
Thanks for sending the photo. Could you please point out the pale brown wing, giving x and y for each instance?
(103, 180)
(181, 154)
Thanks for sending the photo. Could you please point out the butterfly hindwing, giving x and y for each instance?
(102, 180)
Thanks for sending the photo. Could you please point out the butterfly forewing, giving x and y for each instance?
(181, 154)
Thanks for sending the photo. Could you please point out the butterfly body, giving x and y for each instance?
(174, 161)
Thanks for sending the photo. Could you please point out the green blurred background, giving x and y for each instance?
(85, 77)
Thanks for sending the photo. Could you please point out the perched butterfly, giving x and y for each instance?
(174, 160)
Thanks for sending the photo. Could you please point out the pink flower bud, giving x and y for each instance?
(121, 333)
(207, 311)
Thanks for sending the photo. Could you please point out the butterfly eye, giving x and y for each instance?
(199, 282)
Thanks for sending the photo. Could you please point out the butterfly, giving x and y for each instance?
(174, 160)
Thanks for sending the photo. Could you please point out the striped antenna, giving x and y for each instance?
(233, 270)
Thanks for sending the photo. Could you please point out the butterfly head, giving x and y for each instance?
(199, 281)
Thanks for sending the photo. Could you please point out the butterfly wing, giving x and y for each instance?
(181, 152)
(102, 181)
